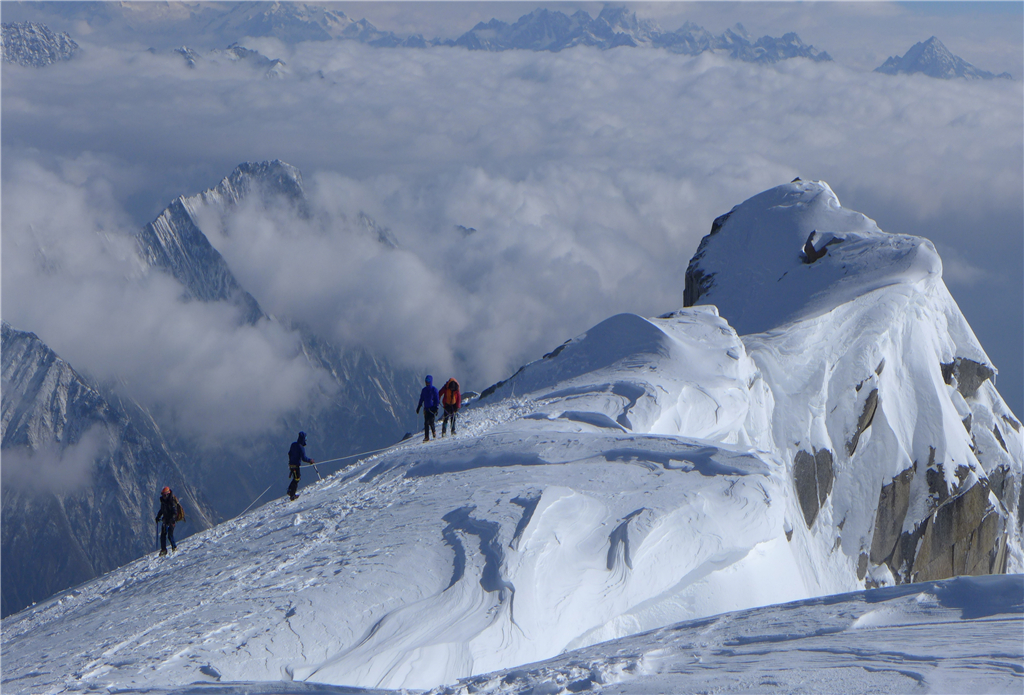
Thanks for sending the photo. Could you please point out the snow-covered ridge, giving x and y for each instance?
(932, 58)
(35, 45)
(647, 472)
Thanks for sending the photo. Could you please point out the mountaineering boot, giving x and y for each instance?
(292, 497)
(163, 552)
(174, 548)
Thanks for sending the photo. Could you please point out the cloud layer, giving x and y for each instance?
(531, 196)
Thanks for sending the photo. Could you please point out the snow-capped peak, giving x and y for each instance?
(932, 58)
(793, 251)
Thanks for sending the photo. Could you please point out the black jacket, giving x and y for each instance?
(168, 510)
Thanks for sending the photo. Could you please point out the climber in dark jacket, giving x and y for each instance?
(169, 512)
(296, 457)
(429, 401)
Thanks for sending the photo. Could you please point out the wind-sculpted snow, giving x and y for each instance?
(894, 640)
(437, 561)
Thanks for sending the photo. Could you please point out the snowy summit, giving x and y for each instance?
(818, 419)
(932, 58)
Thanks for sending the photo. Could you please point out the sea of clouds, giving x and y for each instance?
(531, 195)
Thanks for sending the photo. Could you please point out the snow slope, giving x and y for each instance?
(893, 640)
(648, 472)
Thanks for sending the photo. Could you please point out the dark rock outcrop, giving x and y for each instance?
(864, 421)
(893, 502)
(967, 374)
(964, 535)
(813, 475)
(698, 282)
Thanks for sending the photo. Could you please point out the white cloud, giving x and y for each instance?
(71, 275)
(588, 176)
(50, 468)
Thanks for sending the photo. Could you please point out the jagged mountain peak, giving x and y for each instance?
(932, 58)
(174, 242)
(35, 45)
(265, 179)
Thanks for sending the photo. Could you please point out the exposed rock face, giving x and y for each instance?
(893, 503)
(866, 416)
(964, 535)
(35, 45)
(967, 374)
(173, 243)
(813, 476)
(699, 282)
(82, 475)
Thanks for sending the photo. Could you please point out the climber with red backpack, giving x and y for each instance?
(171, 513)
(451, 400)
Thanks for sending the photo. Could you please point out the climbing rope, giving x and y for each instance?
(313, 465)
(351, 456)
(254, 501)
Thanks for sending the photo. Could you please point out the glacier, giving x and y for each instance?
(817, 420)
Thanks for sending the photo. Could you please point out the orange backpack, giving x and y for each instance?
(450, 393)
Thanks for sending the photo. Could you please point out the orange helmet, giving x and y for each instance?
(165, 491)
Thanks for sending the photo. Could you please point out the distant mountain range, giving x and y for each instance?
(932, 58)
(212, 24)
(544, 30)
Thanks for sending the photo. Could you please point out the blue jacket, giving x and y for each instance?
(428, 398)
(297, 454)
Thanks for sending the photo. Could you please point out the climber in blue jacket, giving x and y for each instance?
(429, 400)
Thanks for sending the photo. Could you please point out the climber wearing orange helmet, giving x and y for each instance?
(171, 513)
